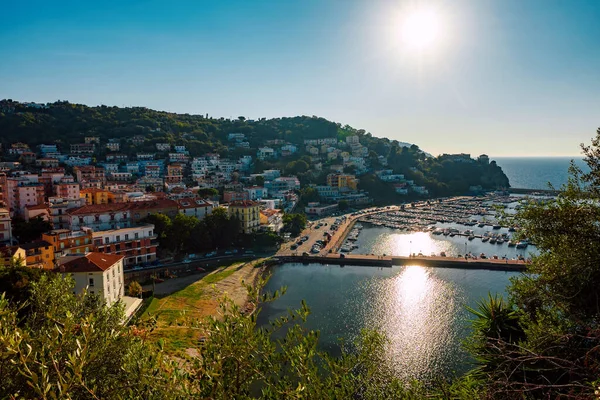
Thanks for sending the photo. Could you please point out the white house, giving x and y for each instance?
(265, 153)
(98, 273)
(195, 207)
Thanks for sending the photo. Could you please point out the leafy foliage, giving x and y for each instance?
(75, 347)
(29, 231)
(294, 223)
(546, 343)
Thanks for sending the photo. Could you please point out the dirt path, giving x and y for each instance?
(180, 302)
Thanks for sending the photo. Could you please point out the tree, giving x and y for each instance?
(29, 231)
(72, 346)
(294, 223)
(208, 192)
(545, 343)
(134, 289)
(342, 205)
(260, 180)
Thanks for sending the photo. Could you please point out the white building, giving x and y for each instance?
(195, 207)
(97, 273)
(257, 192)
(265, 153)
(5, 226)
(352, 140)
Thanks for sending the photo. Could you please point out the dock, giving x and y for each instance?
(389, 261)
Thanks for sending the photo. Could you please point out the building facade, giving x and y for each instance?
(136, 244)
(248, 212)
(97, 273)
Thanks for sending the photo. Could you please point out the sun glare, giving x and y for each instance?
(421, 29)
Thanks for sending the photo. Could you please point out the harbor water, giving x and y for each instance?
(421, 310)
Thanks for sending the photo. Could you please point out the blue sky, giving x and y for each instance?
(507, 78)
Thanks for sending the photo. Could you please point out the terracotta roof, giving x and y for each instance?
(91, 262)
(42, 206)
(243, 203)
(92, 190)
(152, 204)
(98, 209)
(269, 212)
(8, 251)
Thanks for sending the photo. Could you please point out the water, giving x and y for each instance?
(421, 310)
(536, 172)
(380, 241)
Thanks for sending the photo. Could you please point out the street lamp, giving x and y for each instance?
(410, 249)
(465, 249)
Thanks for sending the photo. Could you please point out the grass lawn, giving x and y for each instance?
(192, 303)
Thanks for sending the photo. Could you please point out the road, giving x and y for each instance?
(315, 234)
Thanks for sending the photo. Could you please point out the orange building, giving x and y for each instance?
(39, 254)
(95, 196)
(66, 242)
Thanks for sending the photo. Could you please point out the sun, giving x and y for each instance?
(421, 29)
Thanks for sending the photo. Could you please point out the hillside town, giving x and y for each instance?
(96, 198)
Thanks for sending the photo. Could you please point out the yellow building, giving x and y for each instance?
(39, 254)
(342, 181)
(13, 255)
(248, 212)
(95, 196)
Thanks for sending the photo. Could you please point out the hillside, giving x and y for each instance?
(63, 123)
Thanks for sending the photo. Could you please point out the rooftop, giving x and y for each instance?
(91, 262)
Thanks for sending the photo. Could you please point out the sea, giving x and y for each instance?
(421, 310)
(538, 172)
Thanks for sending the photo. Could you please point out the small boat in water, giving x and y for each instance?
(496, 227)
(522, 244)
(511, 243)
(485, 239)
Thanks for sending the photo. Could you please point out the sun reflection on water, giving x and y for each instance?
(415, 309)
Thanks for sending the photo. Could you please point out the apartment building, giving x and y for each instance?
(248, 212)
(136, 244)
(97, 273)
(66, 242)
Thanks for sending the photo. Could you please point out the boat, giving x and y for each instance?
(443, 254)
(522, 244)
(493, 240)
(481, 224)
(496, 227)
(485, 239)
(511, 229)
(499, 241)
(471, 237)
(511, 243)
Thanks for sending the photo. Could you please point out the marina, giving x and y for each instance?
(467, 228)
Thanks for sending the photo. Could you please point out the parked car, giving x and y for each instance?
(294, 246)
(211, 254)
(200, 269)
(228, 252)
(305, 254)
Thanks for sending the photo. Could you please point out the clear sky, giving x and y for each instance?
(504, 77)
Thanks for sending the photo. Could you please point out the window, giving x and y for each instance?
(112, 217)
(136, 235)
(91, 283)
(96, 218)
(127, 236)
(118, 238)
(106, 240)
